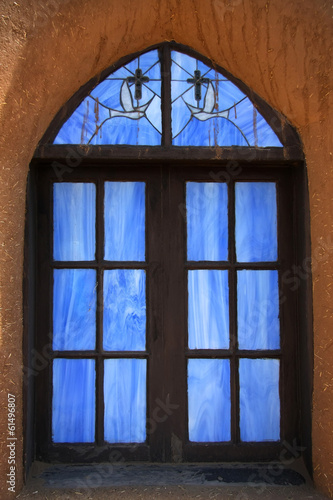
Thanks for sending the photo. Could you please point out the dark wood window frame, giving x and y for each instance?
(286, 165)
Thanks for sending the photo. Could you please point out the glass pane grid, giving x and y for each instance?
(257, 329)
(256, 310)
(76, 348)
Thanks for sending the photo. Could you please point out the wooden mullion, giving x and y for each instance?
(237, 266)
(259, 354)
(96, 354)
(99, 313)
(165, 58)
(155, 315)
(208, 353)
(123, 265)
(75, 354)
(207, 265)
(233, 315)
(99, 265)
(75, 265)
(175, 324)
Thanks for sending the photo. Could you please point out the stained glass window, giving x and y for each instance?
(164, 301)
(123, 109)
(207, 109)
(169, 334)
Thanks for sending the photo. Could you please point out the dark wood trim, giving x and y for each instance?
(101, 265)
(165, 58)
(288, 307)
(99, 432)
(155, 318)
(43, 314)
(29, 325)
(99, 353)
(235, 267)
(68, 157)
(175, 321)
(91, 453)
(234, 376)
(305, 367)
(234, 352)
(237, 452)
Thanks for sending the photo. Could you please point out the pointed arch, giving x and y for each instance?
(160, 98)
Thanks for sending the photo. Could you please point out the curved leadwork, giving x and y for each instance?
(206, 108)
(125, 108)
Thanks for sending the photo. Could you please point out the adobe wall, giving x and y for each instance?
(280, 48)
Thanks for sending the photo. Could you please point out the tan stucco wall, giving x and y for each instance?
(280, 48)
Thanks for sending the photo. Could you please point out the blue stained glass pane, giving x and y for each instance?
(256, 221)
(207, 221)
(73, 404)
(120, 73)
(221, 115)
(256, 130)
(208, 72)
(183, 66)
(229, 97)
(125, 400)
(124, 319)
(74, 220)
(107, 93)
(213, 132)
(258, 309)
(74, 309)
(209, 404)
(113, 114)
(128, 131)
(208, 309)
(124, 212)
(180, 119)
(147, 63)
(259, 399)
(84, 127)
(153, 115)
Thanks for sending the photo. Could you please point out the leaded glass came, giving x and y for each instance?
(206, 108)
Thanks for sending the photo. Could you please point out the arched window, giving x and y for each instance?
(166, 234)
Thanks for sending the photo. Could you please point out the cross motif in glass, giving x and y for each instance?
(198, 80)
(138, 80)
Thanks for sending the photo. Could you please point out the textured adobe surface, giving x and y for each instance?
(280, 48)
